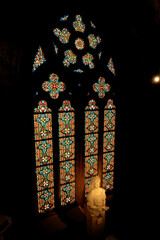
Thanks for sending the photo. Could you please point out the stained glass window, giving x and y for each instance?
(77, 47)
(91, 141)
(109, 145)
(39, 59)
(44, 156)
(66, 118)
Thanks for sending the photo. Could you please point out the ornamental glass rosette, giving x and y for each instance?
(79, 42)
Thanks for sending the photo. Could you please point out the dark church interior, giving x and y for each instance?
(131, 35)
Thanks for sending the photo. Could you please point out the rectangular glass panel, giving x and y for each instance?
(67, 193)
(66, 148)
(108, 161)
(44, 152)
(91, 166)
(45, 200)
(108, 141)
(42, 126)
(66, 124)
(91, 144)
(109, 119)
(107, 182)
(91, 121)
(44, 177)
(67, 172)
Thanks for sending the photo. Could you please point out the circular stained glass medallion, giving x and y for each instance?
(79, 43)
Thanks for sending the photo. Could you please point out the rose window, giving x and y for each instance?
(78, 42)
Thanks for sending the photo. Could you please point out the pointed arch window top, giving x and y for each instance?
(66, 106)
(42, 107)
(110, 104)
(91, 105)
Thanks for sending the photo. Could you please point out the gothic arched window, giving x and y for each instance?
(73, 113)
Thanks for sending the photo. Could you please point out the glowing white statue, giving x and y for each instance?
(96, 208)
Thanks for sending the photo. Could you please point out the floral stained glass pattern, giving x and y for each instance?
(109, 141)
(108, 180)
(70, 58)
(39, 59)
(101, 87)
(53, 86)
(42, 107)
(67, 193)
(67, 170)
(91, 144)
(43, 126)
(91, 125)
(44, 156)
(109, 145)
(44, 151)
(63, 35)
(108, 161)
(93, 41)
(91, 166)
(79, 48)
(66, 119)
(87, 60)
(91, 141)
(66, 124)
(44, 177)
(78, 25)
(45, 200)
(110, 116)
(66, 148)
(79, 43)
